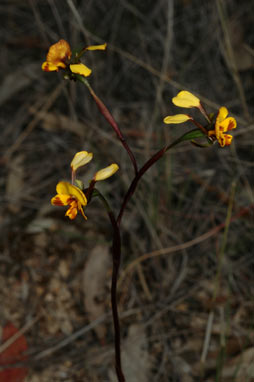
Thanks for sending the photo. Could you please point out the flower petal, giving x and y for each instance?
(60, 200)
(81, 69)
(178, 118)
(48, 67)
(228, 139)
(59, 52)
(221, 139)
(82, 211)
(80, 159)
(186, 99)
(65, 188)
(97, 47)
(106, 172)
(222, 114)
(229, 123)
(72, 211)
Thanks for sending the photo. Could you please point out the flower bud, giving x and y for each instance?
(106, 172)
(80, 159)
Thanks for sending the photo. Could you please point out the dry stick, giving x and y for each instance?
(231, 57)
(167, 44)
(71, 338)
(48, 103)
(217, 281)
(166, 251)
(169, 250)
(80, 332)
(18, 334)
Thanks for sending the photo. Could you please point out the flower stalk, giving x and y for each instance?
(109, 118)
(77, 198)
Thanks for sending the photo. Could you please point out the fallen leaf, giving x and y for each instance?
(96, 277)
(136, 361)
(11, 355)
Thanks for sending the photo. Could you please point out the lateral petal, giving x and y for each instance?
(60, 200)
(69, 189)
(186, 99)
(81, 69)
(106, 172)
(175, 119)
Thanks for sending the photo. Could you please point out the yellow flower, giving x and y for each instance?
(80, 159)
(175, 119)
(72, 196)
(60, 53)
(186, 99)
(222, 125)
(106, 172)
(57, 56)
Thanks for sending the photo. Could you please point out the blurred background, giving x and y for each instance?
(186, 283)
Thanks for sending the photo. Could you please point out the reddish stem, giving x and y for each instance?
(108, 116)
(135, 181)
(116, 254)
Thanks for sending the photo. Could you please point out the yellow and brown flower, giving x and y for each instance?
(72, 196)
(223, 124)
(59, 56)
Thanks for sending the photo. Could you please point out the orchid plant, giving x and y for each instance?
(77, 197)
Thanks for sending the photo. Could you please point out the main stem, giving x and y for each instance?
(116, 249)
(116, 246)
(116, 255)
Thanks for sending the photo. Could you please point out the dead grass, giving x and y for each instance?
(169, 316)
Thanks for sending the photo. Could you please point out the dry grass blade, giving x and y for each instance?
(15, 184)
(17, 81)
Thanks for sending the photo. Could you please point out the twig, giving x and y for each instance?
(166, 251)
(231, 58)
(208, 332)
(18, 334)
(49, 100)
